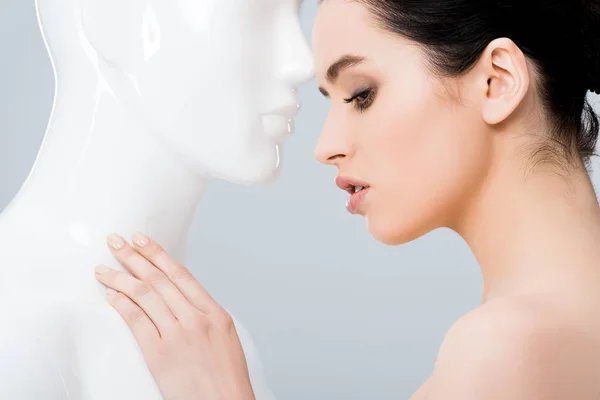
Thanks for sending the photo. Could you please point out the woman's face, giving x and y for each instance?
(416, 141)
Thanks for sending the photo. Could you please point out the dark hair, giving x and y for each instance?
(561, 38)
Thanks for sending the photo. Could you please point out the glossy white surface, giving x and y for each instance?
(153, 99)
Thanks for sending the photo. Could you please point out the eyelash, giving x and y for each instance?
(362, 100)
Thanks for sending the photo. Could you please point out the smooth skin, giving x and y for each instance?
(189, 341)
(461, 153)
(464, 153)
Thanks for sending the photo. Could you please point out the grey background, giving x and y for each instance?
(335, 314)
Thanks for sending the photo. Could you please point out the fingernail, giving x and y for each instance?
(100, 269)
(140, 239)
(115, 241)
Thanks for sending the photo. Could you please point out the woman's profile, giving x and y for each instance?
(473, 115)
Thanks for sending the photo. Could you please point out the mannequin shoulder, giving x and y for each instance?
(518, 348)
(29, 355)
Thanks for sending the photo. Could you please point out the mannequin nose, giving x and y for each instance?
(297, 61)
(299, 72)
(299, 69)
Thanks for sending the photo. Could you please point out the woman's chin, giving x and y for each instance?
(392, 233)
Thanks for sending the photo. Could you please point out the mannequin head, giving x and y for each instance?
(212, 80)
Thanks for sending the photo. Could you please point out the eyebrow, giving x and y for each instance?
(340, 65)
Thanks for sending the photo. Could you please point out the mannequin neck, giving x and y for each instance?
(98, 171)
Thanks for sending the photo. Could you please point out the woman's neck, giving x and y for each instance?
(98, 171)
(534, 231)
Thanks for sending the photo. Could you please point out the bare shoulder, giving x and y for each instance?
(519, 348)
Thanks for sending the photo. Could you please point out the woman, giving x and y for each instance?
(448, 113)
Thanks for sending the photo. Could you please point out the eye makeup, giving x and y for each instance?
(362, 98)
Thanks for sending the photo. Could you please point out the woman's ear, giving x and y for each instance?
(507, 77)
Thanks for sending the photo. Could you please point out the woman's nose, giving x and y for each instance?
(333, 145)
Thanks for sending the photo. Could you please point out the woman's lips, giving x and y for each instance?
(358, 190)
(356, 199)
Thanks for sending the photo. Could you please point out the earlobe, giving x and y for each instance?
(507, 80)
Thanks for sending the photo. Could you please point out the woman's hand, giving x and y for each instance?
(188, 340)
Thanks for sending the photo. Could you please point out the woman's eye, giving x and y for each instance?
(362, 100)
(363, 96)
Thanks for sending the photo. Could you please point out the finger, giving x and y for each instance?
(141, 293)
(147, 272)
(137, 320)
(176, 272)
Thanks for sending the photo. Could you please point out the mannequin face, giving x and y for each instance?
(213, 80)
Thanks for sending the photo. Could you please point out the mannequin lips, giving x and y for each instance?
(277, 127)
(279, 123)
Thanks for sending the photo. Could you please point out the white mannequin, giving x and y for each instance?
(153, 98)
